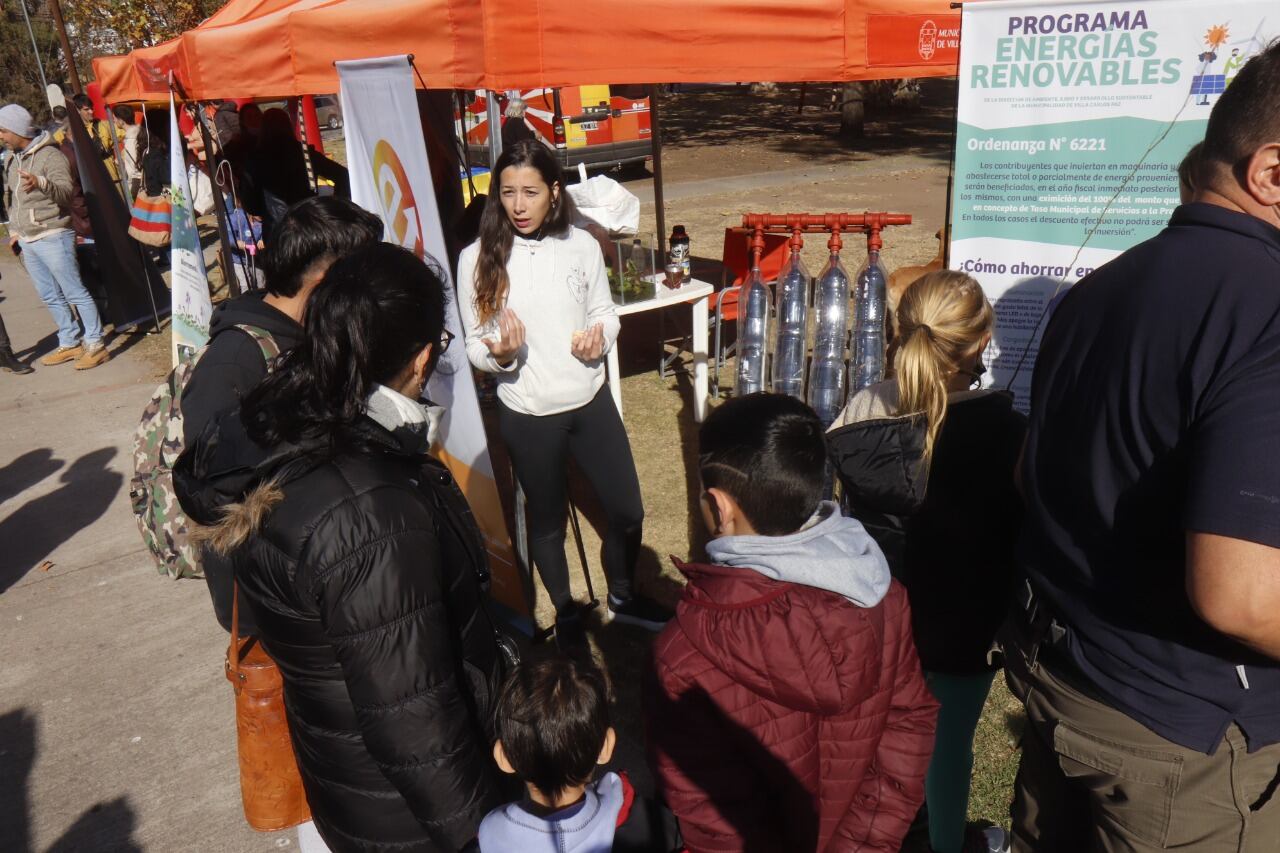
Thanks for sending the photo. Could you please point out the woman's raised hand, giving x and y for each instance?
(588, 346)
(510, 338)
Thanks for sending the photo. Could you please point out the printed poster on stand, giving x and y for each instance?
(192, 307)
(1072, 120)
(390, 175)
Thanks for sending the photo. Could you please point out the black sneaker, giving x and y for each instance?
(639, 611)
(571, 633)
(9, 362)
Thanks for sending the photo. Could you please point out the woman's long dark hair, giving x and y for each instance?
(496, 231)
(372, 314)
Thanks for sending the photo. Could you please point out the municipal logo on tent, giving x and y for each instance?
(928, 43)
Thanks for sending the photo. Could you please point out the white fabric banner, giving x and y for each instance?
(390, 175)
(1071, 123)
(192, 306)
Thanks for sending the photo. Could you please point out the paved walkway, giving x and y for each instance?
(117, 728)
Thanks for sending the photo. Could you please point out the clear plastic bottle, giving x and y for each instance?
(753, 334)
(867, 365)
(790, 316)
(831, 331)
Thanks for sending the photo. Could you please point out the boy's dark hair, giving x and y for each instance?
(125, 113)
(375, 310)
(1189, 169)
(552, 718)
(315, 229)
(1247, 114)
(60, 113)
(82, 101)
(766, 451)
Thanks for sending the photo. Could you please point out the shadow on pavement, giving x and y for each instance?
(17, 757)
(42, 347)
(27, 470)
(105, 827)
(32, 532)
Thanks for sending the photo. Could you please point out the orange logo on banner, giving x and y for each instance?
(399, 210)
(895, 40)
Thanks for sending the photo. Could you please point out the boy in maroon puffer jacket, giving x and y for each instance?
(786, 709)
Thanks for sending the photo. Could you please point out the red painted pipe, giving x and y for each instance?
(823, 221)
(869, 223)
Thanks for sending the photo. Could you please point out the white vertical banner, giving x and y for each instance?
(391, 176)
(1071, 122)
(192, 307)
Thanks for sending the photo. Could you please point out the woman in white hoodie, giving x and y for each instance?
(536, 311)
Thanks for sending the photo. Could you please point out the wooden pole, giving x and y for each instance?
(56, 8)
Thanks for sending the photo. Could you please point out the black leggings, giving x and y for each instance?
(540, 447)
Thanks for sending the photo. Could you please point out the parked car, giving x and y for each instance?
(329, 112)
(599, 126)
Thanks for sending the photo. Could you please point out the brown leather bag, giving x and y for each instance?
(270, 784)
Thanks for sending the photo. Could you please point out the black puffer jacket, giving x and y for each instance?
(232, 366)
(364, 571)
(950, 540)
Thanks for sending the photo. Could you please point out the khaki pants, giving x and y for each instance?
(1093, 779)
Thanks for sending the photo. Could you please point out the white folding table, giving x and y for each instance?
(695, 293)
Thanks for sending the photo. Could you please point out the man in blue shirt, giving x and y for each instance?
(1147, 649)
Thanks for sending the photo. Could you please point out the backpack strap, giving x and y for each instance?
(266, 343)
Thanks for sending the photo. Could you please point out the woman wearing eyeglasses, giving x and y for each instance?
(534, 299)
(358, 555)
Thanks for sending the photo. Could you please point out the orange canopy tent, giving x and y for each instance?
(289, 48)
(143, 75)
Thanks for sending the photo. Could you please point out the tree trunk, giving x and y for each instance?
(852, 110)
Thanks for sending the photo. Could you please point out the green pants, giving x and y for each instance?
(947, 786)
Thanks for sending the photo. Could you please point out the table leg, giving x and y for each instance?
(615, 376)
(700, 360)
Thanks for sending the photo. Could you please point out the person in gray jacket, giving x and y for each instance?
(38, 189)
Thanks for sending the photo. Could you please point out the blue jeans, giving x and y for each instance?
(51, 263)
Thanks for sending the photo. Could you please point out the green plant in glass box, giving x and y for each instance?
(631, 272)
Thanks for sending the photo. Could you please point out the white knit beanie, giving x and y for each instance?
(16, 119)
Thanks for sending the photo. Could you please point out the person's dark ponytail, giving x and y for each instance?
(375, 310)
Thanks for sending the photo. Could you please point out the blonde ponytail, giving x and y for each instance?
(943, 319)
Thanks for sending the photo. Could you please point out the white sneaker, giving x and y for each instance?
(997, 839)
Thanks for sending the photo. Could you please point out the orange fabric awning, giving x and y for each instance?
(445, 37)
(510, 44)
(251, 59)
(143, 75)
(705, 41)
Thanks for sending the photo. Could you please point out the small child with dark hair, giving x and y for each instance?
(786, 709)
(553, 731)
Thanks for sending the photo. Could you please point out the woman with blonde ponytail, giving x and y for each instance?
(926, 461)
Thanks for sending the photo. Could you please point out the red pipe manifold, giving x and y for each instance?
(797, 223)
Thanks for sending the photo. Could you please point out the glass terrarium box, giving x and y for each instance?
(634, 269)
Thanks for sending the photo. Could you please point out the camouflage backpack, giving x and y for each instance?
(157, 444)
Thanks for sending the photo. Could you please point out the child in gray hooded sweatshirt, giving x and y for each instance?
(786, 708)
